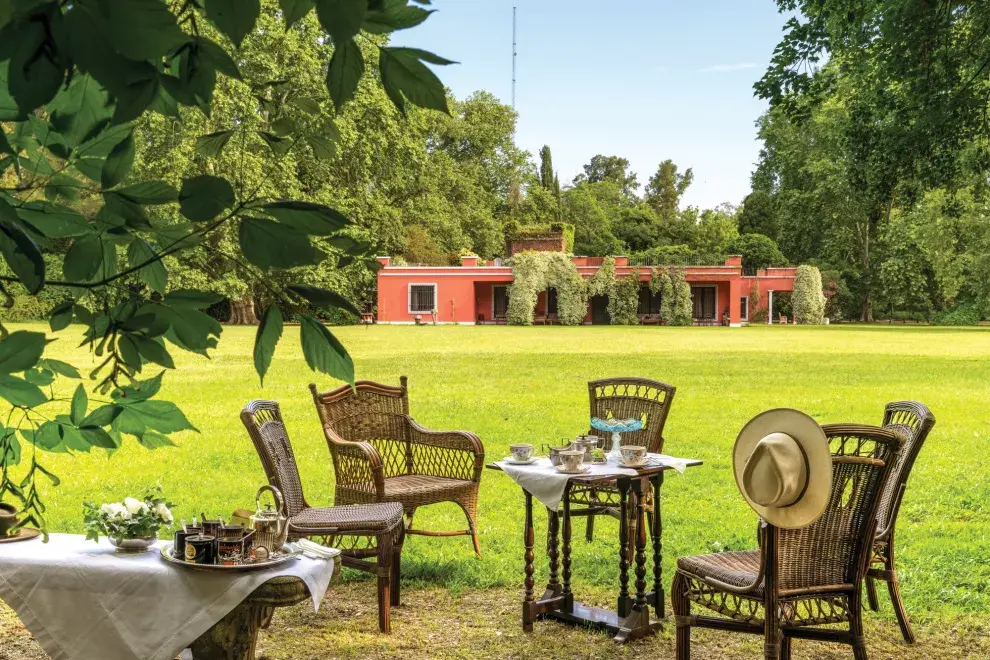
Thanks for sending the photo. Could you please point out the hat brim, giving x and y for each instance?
(811, 437)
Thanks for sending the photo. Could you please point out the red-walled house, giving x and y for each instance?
(475, 291)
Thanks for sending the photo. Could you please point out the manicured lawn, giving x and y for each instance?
(529, 384)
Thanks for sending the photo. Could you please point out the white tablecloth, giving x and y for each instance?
(83, 600)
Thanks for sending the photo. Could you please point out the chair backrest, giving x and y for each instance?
(913, 420)
(640, 398)
(831, 552)
(373, 413)
(263, 421)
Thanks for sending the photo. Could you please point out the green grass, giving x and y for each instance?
(529, 384)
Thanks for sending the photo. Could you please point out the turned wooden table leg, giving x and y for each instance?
(553, 550)
(657, 533)
(568, 596)
(623, 604)
(528, 540)
(640, 512)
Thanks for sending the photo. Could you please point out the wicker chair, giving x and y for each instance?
(914, 420)
(380, 454)
(622, 398)
(370, 530)
(804, 578)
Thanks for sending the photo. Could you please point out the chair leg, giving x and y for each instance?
(409, 518)
(895, 598)
(589, 527)
(384, 601)
(871, 594)
(785, 646)
(396, 573)
(470, 508)
(856, 626)
(682, 612)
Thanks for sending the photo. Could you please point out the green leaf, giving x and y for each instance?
(324, 298)
(192, 299)
(212, 145)
(154, 274)
(235, 18)
(61, 316)
(128, 352)
(83, 259)
(323, 352)
(20, 251)
(102, 416)
(204, 197)
(154, 440)
(54, 220)
(59, 367)
(80, 402)
(405, 76)
(342, 19)
(71, 436)
(48, 436)
(322, 148)
(79, 109)
(313, 219)
(193, 330)
(150, 193)
(135, 98)
(307, 105)
(119, 162)
(142, 29)
(35, 73)
(279, 146)
(345, 71)
(101, 144)
(120, 210)
(12, 453)
(218, 58)
(21, 350)
(294, 10)
(97, 437)
(268, 244)
(19, 392)
(395, 15)
(161, 416)
(152, 351)
(269, 332)
(283, 127)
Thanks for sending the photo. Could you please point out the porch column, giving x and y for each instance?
(735, 311)
(770, 307)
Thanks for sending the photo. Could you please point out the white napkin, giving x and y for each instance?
(313, 550)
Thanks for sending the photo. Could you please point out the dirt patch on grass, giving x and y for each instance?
(435, 623)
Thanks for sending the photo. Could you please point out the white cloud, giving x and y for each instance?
(728, 67)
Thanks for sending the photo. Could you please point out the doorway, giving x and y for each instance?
(599, 311)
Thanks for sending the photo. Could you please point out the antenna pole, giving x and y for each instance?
(513, 58)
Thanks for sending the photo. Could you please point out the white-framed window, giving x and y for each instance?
(422, 298)
(744, 308)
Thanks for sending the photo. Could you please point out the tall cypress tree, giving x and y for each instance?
(546, 168)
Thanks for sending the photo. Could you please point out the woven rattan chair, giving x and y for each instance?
(380, 454)
(914, 420)
(622, 398)
(370, 530)
(800, 579)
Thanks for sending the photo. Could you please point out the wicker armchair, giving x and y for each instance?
(380, 454)
(622, 398)
(804, 578)
(369, 530)
(914, 420)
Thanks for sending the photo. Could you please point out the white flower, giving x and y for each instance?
(115, 511)
(134, 507)
(163, 512)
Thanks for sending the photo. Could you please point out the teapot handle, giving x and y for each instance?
(279, 501)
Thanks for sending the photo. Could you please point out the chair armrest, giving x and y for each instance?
(452, 454)
(356, 463)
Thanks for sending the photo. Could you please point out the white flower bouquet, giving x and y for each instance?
(130, 519)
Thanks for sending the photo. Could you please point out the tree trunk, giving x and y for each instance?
(242, 312)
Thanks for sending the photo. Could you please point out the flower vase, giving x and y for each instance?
(129, 546)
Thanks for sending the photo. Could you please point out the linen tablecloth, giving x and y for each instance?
(541, 479)
(83, 600)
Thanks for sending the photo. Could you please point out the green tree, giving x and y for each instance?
(74, 85)
(587, 211)
(665, 189)
(758, 215)
(716, 231)
(547, 176)
(758, 251)
(611, 169)
(807, 299)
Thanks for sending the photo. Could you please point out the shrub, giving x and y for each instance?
(807, 300)
(961, 314)
(623, 301)
(675, 298)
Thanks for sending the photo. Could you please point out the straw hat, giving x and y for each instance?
(783, 467)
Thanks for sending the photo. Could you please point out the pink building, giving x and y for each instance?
(476, 292)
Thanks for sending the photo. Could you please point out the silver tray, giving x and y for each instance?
(259, 564)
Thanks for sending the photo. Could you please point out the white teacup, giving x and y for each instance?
(571, 459)
(633, 455)
(521, 452)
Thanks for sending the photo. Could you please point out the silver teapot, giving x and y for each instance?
(271, 527)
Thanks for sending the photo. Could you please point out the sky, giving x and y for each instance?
(643, 79)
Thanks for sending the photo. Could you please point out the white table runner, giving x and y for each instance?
(541, 479)
(83, 600)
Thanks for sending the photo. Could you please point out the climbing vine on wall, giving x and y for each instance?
(656, 281)
(675, 297)
(601, 283)
(533, 272)
(623, 301)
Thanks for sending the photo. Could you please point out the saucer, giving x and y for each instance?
(581, 470)
(512, 461)
(637, 464)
